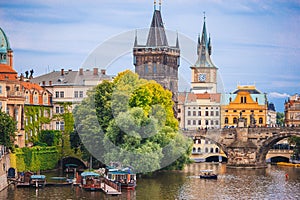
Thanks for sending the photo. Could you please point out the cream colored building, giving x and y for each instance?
(69, 87)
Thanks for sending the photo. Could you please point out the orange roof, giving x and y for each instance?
(6, 69)
(29, 86)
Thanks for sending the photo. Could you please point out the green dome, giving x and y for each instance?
(4, 43)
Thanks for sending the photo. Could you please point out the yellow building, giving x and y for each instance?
(246, 102)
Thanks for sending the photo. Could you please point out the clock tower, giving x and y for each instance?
(204, 72)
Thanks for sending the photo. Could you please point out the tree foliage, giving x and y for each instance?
(133, 120)
(296, 142)
(7, 130)
(280, 118)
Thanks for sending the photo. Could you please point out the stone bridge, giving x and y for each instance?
(245, 147)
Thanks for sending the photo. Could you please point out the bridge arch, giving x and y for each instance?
(270, 142)
(72, 160)
(221, 146)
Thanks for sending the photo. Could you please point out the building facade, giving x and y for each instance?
(157, 60)
(292, 111)
(245, 102)
(68, 89)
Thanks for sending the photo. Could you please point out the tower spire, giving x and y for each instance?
(135, 39)
(160, 5)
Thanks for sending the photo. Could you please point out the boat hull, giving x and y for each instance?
(209, 176)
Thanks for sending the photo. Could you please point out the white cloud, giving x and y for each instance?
(278, 95)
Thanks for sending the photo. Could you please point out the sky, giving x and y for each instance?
(253, 41)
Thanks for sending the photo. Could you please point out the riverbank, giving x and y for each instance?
(4, 166)
(288, 164)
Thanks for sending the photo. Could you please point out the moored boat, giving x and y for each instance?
(37, 181)
(125, 177)
(90, 181)
(208, 174)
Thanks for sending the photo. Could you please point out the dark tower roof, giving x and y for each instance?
(157, 35)
(204, 48)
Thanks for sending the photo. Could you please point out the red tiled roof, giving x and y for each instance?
(6, 69)
(29, 86)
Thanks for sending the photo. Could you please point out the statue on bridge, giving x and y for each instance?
(252, 120)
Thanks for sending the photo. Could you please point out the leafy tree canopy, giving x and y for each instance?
(133, 120)
(7, 130)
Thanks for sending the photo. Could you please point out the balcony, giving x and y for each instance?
(13, 94)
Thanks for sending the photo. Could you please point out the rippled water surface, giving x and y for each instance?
(267, 183)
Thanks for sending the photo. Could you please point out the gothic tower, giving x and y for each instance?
(157, 60)
(204, 72)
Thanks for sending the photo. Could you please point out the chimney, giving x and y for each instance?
(81, 71)
(62, 72)
(50, 83)
(95, 73)
(103, 71)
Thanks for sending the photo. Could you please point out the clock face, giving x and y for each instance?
(202, 77)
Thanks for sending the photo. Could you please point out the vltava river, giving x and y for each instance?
(234, 184)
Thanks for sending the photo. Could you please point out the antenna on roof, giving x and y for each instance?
(160, 5)
(154, 5)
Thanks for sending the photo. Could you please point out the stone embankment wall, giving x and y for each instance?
(4, 166)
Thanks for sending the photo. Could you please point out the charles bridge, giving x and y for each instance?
(245, 147)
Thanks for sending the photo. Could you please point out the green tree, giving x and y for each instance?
(280, 118)
(296, 142)
(7, 130)
(133, 120)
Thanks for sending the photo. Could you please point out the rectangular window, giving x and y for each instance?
(75, 94)
(206, 113)
(199, 122)
(56, 109)
(62, 94)
(199, 113)
(81, 94)
(194, 113)
(189, 122)
(62, 126)
(179, 110)
(217, 113)
(0, 89)
(61, 109)
(211, 113)
(57, 126)
(194, 122)
(189, 113)
(57, 94)
(217, 122)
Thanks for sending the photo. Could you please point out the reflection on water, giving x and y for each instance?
(267, 183)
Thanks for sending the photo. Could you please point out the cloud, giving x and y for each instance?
(277, 95)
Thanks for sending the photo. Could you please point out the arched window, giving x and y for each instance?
(35, 98)
(235, 120)
(206, 150)
(194, 149)
(211, 150)
(261, 121)
(199, 150)
(230, 99)
(226, 120)
(217, 150)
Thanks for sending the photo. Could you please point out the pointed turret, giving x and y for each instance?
(135, 39)
(177, 41)
(157, 36)
(204, 49)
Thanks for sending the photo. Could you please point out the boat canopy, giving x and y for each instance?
(71, 165)
(84, 174)
(206, 170)
(38, 177)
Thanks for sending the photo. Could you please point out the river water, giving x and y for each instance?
(269, 183)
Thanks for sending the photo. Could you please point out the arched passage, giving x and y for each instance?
(72, 160)
(270, 142)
